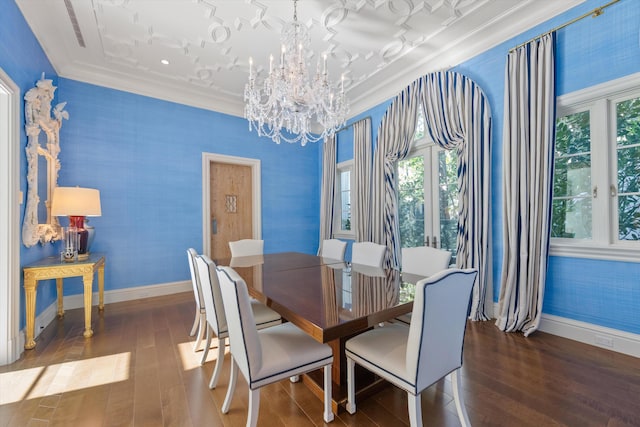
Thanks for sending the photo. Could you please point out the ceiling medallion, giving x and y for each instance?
(289, 105)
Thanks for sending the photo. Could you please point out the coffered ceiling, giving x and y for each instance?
(379, 45)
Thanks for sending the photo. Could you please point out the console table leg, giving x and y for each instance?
(60, 297)
(87, 278)
(30, 285)
(101, 287)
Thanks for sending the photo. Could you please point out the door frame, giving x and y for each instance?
(256, 180)
(9, 221)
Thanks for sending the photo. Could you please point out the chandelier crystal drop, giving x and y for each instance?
(290, 105)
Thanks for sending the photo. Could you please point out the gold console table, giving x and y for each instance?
(53, 268)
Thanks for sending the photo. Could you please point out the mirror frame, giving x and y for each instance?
(38, 118)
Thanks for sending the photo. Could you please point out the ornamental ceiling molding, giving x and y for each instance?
(380, 45)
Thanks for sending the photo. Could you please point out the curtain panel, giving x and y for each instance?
(395, 136)
(327, 193)
(457, 116)
(362, 179)
(529, 144)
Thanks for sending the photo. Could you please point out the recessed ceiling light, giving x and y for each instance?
(164, 62)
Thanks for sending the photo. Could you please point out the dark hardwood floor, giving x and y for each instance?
(139, 369)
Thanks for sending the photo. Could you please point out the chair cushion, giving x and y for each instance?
(385, 349)
(263, 315)
(288, 351)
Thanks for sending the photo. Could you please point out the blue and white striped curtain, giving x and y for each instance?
(395, 136)
(362, 179)
(328, 189)
(529, 144)
(457, 115)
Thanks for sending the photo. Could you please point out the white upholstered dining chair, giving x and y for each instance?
(425, 260)
(246, 247)
(199, 323)
(415, 357)
(333, 248)
(216, 320)
(268, 355)
(368, 253)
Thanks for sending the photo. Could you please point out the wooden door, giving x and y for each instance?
(231, 206)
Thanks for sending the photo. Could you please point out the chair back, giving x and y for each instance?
(333, 248)
(246, 247)
(368, 253)
(195, 280)
(425, 260)
(438, 323)
(243, 335)
(213, 306)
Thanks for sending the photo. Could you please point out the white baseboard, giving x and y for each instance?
(588, 333)
(117, 295)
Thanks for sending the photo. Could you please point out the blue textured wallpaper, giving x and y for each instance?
(145, 156)
(589, 52)
(24, 61)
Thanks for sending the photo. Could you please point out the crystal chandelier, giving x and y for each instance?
(308, 109)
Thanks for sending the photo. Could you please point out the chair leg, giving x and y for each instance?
(459, 399)
(415, 410)
(196, 323)
(231, 388)
(207, 344)
(222, 342)
(351, 394)
(328, 413)
(201, 332)
(254, 407)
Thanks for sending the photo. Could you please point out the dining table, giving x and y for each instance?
(331, 300)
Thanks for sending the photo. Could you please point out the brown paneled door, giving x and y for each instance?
(231, 206)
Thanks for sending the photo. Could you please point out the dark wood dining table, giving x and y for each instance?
(330, 300)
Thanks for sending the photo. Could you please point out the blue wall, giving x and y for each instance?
(589, 52)
(24, 61)
(145, 157)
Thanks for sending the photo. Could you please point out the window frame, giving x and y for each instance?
(338, 233)
(600, 101)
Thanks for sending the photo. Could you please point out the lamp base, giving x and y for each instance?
(83, 257)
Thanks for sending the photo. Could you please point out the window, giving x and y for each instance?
(343, 226)
(596, 189)
(428, 195)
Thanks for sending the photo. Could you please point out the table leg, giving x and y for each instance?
(87, 279)
(30, 286)
(101, 287)
(60, 297)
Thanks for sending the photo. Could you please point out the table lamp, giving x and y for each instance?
(77, 203)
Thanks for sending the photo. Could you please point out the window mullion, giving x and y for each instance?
(600, 179)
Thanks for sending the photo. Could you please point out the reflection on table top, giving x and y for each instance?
(327, 298)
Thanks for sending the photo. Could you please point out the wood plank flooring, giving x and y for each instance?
(139, 369)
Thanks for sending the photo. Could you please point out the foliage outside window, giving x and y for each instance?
(596, 189)
(428, 194)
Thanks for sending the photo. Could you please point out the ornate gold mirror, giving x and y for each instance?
(42, 127)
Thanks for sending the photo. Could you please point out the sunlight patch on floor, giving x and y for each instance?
(191, 359)
(63, 377)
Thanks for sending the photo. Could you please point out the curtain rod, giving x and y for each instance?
(351, 124)
(594, 13)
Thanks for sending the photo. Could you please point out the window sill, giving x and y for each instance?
(623, 253)
(345, 235)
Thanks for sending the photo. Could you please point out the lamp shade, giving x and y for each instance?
(76, 201)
